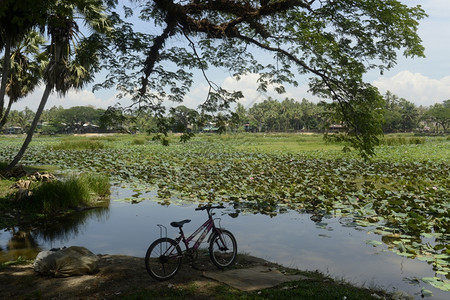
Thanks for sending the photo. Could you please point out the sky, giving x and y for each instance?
(423, 81)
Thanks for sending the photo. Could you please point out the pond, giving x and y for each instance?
(333, 246)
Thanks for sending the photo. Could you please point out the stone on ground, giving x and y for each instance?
(66, 262)
(253, 279)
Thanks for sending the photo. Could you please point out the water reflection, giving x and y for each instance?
(332, 245)
(22, 243)
(74, 224)
(26, 241)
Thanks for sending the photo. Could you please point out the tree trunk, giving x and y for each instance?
(18, 157)
(5, 71)
(6, 114)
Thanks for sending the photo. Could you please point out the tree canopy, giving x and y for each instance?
(333, 42)
(72, 56)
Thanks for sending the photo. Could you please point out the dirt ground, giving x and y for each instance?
(118, 275)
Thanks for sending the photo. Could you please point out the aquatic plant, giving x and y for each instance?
(72, 192)
(402, 194)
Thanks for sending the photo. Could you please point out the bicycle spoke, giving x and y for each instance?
(223, 249)
(163, 259)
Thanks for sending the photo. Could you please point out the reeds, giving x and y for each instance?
(73, 192)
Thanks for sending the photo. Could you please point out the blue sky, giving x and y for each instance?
(423, 81)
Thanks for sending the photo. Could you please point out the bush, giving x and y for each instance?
(98, 184)
(79, 145)
(76, 191)
(398, 140)
(138, 142)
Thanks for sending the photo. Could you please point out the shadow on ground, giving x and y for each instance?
(119, 275)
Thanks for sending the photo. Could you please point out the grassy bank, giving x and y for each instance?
(125, 277)
(402, 192)
(26, 199)
(317, 287)
(60, 195)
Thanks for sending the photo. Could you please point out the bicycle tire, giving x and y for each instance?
(160, 265)
(223, 249)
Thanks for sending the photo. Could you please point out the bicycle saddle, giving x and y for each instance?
(180, 223)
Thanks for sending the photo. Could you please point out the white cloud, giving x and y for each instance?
(195, 97)
(416, 87)
(248, 85)
(72, 98)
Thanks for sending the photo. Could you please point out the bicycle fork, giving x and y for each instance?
(220, 241)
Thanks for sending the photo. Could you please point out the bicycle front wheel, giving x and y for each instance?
(223, 249)
(163, 259)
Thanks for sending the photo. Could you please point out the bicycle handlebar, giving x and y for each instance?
(208, 207)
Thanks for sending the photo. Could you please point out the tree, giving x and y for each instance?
(399, 114)
(239, 117)
(392, 121)
(17, 18)
(182, 117)
(440, 114)
(290, 115)
(409, 115)
(334, 42)
(264, 115)
(72, 62)
(52, 115)
(309, 114)
(25, 71)
(75, 117)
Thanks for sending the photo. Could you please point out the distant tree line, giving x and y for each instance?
(270, 115)
(57, 120)
(400, 115)
(61, 45)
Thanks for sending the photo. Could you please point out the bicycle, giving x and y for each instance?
(164, 256)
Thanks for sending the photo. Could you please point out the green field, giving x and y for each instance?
(403, 192)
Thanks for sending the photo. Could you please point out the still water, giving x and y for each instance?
(290, 239)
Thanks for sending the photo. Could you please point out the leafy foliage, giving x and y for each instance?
(56, 196)
(401, 195)
(334, 42)
(440, 114)
(72, 61)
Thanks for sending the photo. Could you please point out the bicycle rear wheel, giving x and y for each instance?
(163, 259)
(223, 249)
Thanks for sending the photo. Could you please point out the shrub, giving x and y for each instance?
(75, 191)
(98, 184)
(138, 142)
(79, 145)
(397, 141)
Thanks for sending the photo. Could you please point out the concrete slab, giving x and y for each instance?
(252, 279)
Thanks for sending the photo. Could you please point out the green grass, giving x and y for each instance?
(57, 196)
(18, 261)
(404, 188)
(4, 187)
(317, 286)
(138, 141)
(78, 144)
(97, 184)
(402, 140)
(271, 142)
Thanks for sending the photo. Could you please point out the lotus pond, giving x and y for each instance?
(291, 198)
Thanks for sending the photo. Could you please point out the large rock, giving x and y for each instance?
(66, 262)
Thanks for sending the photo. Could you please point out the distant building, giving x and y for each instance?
(248, 128)
(336, 128)
(14, 130)
(211, 127)
(90, 128)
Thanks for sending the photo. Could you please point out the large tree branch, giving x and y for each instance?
(331, 83)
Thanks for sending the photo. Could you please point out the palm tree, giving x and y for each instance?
(17, 18)
(24, 74)
(72, 60)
